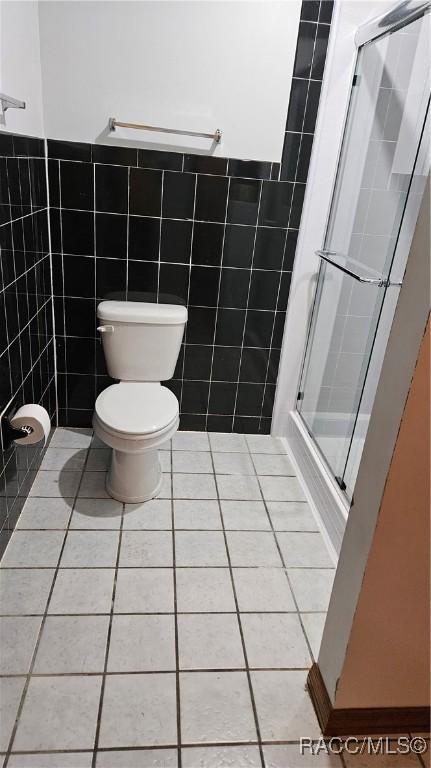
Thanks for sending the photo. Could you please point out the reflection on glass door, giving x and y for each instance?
(363, 260)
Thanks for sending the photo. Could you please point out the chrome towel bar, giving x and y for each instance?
(113, 124)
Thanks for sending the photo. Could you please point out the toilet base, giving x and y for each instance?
(134, 477)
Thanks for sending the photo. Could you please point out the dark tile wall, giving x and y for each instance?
(218, 234)
(27, 371)
(220, 243)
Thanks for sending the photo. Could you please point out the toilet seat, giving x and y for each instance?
(135, 419)
(136, 410)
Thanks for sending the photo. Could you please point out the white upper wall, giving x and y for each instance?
(20, 71)
(192, 65)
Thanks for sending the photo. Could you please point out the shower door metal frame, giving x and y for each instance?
(329, 503)
(389, 22)
(399, 16)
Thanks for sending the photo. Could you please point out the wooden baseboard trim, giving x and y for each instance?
(319, 696)
(350, 722)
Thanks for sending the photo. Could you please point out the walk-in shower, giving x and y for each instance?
(380, 177)
(377, 172)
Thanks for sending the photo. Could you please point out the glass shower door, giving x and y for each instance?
(362, 260)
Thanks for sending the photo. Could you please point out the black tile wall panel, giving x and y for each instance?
(217, 234)
(27, 372)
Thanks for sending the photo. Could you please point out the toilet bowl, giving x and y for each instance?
(135, 420)
(141, 342)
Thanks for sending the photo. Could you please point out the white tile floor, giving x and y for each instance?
(180, 629)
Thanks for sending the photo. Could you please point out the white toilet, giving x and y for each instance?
(141, 343)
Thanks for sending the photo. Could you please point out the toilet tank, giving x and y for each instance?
(141, 341)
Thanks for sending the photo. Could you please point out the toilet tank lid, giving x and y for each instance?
(142, 312)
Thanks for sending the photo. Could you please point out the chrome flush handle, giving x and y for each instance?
(106, 328)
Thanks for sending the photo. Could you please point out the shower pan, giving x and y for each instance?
(382, 168)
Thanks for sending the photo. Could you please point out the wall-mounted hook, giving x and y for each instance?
(8, 102)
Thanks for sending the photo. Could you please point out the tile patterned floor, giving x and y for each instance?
(176, 632)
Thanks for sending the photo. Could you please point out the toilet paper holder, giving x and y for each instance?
(9, 433)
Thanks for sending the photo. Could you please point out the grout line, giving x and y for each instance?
(23, 328)
(195, 306)
(247, 668)
(175, 218)
(108, 641)
(160, 235)
(192, 344)
(18, 338)
(170, 170)
(177, 655)
(284, 566)
(128, 236)
(152, 567)
(11, 388)
(60, 216)
(188, 745)
(149, 613)
(24, 379)
(37, 210)
(247, 305)
(96, 339)
(159, 530)
(54, 331)
(36, 647)
(213, 345)
(43, 256)
(184, 339)
(121, 672)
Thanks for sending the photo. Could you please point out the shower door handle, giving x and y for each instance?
(330, 258)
